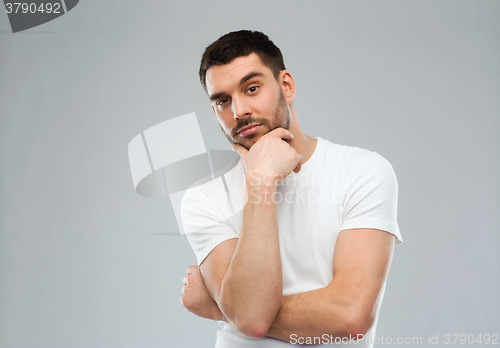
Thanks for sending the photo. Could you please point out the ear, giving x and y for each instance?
(287, 85)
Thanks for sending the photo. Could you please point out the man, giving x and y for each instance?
(307, 259)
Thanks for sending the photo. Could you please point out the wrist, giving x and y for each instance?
(263, 181)
(260, 192)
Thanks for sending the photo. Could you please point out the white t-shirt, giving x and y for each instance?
(339, 187)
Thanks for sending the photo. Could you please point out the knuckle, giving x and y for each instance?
(191, 269)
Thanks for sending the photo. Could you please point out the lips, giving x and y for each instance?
(250, 129)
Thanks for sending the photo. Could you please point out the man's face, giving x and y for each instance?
(244, 93)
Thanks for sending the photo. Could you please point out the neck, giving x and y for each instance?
(302, 143)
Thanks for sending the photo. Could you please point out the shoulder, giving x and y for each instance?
(214, 187)
(204, 197)
(353, 160)
(214, 200)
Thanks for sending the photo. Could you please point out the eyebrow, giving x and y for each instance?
(249, 76)
(242, 81)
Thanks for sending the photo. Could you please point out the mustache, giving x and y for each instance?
(246, 122)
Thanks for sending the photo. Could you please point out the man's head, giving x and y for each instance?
(244, 75)
(239, 44)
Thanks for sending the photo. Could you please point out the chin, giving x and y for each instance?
(252, 139)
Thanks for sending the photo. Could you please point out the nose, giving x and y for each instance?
(240, 108)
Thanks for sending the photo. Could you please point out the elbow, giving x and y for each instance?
(247, 323)
(358, 325)
(254, 330)
(357, 332)
(250, 320)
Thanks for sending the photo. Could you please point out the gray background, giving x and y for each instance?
(416, 81)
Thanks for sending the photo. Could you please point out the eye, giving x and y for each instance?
(222, 101)
(252, 89)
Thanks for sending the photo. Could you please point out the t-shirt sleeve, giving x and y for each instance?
(370, 195)
(204, 224)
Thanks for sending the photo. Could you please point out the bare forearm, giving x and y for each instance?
(252, 287)
(305, 315)
(309, 314)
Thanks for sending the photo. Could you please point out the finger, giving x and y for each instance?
(191, 269)
(299, 165)
(297, 169)
(242, 151)
(281, 133)
(288, 145)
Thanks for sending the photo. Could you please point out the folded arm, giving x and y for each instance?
(347, 307)
(245, 279)
(244, 275)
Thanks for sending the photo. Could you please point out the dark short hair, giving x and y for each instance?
(240, 44)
